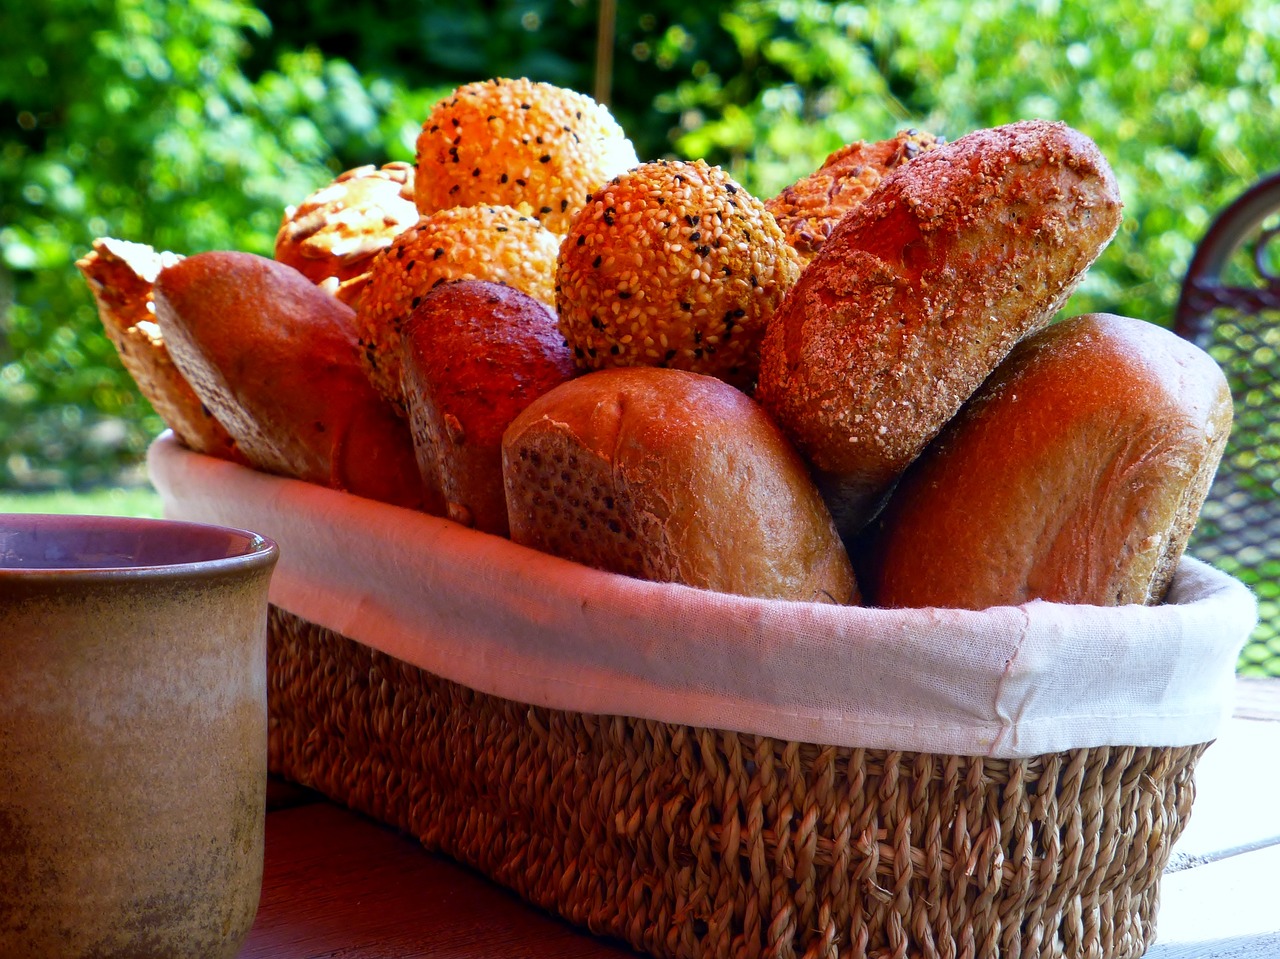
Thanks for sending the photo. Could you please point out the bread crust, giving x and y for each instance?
(476, 353)
(809, 209)
(671, 476)
(275, 358)
(922, 290)
(333, 235)
(1075, 475)
(120, 275)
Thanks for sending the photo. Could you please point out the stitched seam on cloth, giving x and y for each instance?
(1006, 723)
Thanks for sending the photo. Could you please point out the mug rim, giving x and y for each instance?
(246, 550)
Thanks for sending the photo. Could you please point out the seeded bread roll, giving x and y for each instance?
(275, 358)
(475, 355)
(462, 243)
(120, 275)
(922, 290)
(533, 146)
(1075, 475)
(673, 264)
(671, 476)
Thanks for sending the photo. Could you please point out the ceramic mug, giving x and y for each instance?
(133, 736)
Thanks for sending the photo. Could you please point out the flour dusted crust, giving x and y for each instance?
(671, 476)
(1074, 475)
(922, 290)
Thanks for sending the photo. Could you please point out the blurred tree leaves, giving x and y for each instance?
(190, 125)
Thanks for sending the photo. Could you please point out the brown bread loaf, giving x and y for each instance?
(1075, 474)
(274, 357)
(671, 476)
(476, 353)
(120, 275)
(921, 291)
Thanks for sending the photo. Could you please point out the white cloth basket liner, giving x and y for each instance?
(476, 609)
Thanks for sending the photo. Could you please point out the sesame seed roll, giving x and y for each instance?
(533, 146)
(493, 243)
(673, 264)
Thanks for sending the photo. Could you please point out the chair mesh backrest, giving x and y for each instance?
(1230, 305)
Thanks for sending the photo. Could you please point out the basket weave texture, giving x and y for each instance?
(688, 842)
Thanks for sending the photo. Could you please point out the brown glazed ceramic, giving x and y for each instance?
(132, 736)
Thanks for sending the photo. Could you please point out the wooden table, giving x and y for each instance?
(339, 886)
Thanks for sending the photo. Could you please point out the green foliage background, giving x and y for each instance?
(190, 125)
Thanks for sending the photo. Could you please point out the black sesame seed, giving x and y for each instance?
(520, 182)
(475, 172)
(564, 205)
(671, 355)
(581, 240)
(410, 265)
(686, 307)
(439, 252)
(545, 158)
(731, 188)
(545, 209)
(703, 251)
(608, 216)
(624, 295)
(503, 178)
(525, 106)
(615, 349)
(415, 302)
(500, 229)
(695, 236)
(596, 262)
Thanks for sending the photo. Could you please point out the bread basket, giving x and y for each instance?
(712, 776)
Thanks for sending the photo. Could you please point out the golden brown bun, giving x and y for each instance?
(1074, 475)
(120, 274)
(810, 208)
(922, 290)
(673, 264)
(671, 476)
(461, 243)
(475, 354)
(333, 235)
(533, 146)
(275, 358)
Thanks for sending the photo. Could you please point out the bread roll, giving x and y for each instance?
(333, 235)
(275, 358)
(532, 146)
(475, 354)
(460, 243)
(120, 275)
(1074, 475)
(922, 290)
(809, 209)
(671, 476)
(673, 264)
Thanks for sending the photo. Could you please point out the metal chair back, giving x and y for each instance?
(1230, 306)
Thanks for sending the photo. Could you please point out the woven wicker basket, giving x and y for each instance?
(690, 842)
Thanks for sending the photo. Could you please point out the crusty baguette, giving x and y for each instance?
(922, 290)
(1075, 474)
(476, 353)
(671, 476)
(120, 275)
(275, 358)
